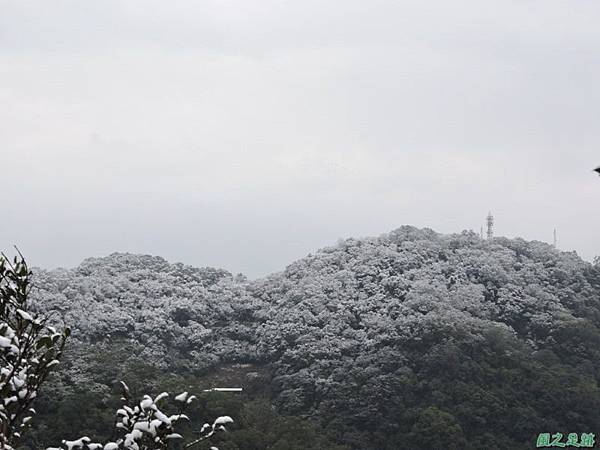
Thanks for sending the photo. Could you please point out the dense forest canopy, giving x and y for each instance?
(411, 340)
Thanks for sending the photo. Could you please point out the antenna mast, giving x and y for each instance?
(555, 238)
(490, 225)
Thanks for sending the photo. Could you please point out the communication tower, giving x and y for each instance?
(490, 226)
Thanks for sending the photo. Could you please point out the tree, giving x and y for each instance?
(29, 350)
(437, 430)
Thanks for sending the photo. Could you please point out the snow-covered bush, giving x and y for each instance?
(144, 426)
(29, 349)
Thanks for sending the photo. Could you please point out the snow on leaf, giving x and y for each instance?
(174, 436)
(223, 420)
(53, 363)
(181, 397)
(124, 386)
(160, 397)
(25, 315)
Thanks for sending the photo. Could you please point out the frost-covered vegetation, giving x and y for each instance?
(412, 340)
(144, 426)
(30, 349)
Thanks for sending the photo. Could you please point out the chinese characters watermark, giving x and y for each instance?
(587, 440)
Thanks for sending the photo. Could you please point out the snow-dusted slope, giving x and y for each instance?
(398, 341)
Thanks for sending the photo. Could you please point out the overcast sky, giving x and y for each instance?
(245, 134)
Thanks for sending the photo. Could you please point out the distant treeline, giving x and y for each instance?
(412, 340)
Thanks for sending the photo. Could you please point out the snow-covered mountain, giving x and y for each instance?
(410, 340)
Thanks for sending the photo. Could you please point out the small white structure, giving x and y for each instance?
(229, 389)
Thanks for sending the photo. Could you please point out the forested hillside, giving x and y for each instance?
(412, 340)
